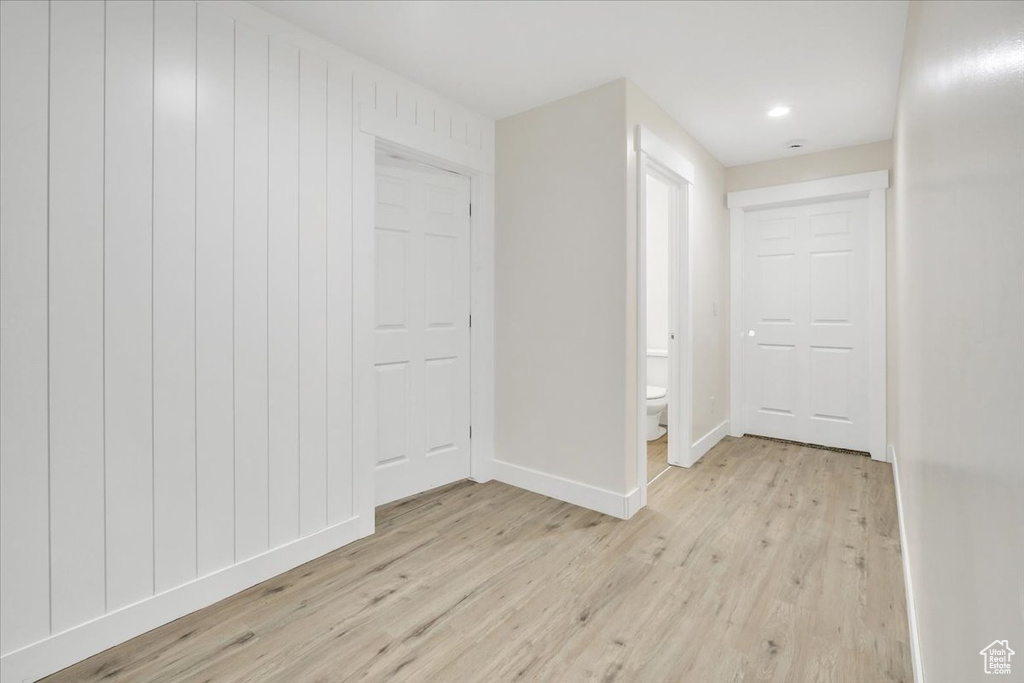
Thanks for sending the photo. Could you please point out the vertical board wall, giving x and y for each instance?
(176, 306)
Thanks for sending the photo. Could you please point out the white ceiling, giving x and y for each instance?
(716, 67)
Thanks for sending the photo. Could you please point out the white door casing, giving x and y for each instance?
(808, 312)
(805, 309)
(654, 155)
(421, 328)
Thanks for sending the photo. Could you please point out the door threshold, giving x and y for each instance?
(834, 449)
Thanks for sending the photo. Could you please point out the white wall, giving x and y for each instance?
(709, 260)
(959, 245)
(177, 258)
(560, 305)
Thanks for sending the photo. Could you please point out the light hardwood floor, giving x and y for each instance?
(657, 457)
(764, 561)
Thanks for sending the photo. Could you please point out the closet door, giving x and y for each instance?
(806, 307)
(421, 351)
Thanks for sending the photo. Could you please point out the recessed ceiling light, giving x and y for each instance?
(778, 111)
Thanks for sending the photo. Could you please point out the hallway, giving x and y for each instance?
(764, 560)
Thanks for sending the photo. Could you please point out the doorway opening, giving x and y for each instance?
(661, 196)
(808, 312)
(664, 330)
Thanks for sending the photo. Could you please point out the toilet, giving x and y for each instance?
(657, 402)
(657, 394)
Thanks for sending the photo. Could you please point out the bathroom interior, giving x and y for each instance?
(658, 211)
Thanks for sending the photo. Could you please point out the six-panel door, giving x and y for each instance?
(805, 303)
(421, 334)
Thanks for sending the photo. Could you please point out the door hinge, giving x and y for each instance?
(471, 320)
(471, 431)
(471, 208)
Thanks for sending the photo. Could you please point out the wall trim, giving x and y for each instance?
(395, 130)
(372, 132)
(657, 157)
(63, 649)
(705, 443)
(621, 505)
(632, 503)
(915, 639)
(735, 322)
(646, 141)
(826, 188)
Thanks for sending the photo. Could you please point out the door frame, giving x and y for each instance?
(389, 160)
(371, 132)
(871, 186)
(659, 158)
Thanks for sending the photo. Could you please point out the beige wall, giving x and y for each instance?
(709, 244)
(959, 246)
(565, 268)
(874, 156)
(560, 300)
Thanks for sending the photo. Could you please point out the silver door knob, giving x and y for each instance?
(751, 333)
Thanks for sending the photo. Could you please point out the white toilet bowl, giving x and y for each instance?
(657, 402)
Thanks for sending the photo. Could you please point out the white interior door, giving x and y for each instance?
(805, 304)
(421, 333)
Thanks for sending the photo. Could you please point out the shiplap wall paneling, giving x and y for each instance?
(176, 309)
(283, 292)
(24, 437)
(251, 416)
(425, 114)
(363, 306)
(406, 107)
(78, 582)
(442, 122)
(386, 98)
(474, 134)
(459, 124)
(128, 254)
(174, 295)
(340, 503)
(215, 391)
(312, 293)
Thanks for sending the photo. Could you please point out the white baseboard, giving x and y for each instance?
(915, 642)
(591, 497)
(705, 443)
(63, 649)
(632, 503)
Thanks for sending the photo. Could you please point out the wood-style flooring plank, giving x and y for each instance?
(763, 562)
(657, 457)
